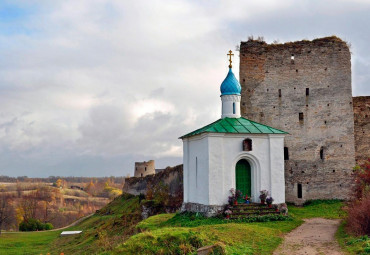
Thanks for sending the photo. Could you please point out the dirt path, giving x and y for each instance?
(315, 236)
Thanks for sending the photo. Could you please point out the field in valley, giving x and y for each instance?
(59, 203)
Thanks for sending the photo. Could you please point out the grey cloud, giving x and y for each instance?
(88, 87)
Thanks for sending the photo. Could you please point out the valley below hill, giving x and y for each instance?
(38, 204)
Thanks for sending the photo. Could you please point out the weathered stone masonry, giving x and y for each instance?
(144, 168)
(305, 89)
(171, 176)
(361, 108)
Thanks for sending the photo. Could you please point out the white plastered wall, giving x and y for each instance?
(217, 155)
(196, 170)
(228, 108)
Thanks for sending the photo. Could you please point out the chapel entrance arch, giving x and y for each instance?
(243, 177)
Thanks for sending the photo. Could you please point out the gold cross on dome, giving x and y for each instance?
(230, 55)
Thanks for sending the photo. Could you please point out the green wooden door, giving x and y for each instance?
(243, 178)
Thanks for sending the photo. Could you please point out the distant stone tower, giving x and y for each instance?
(305, 89)
(144, 168)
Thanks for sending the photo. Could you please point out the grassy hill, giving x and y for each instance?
(117, 229)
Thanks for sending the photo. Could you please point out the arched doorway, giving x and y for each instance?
(243, 177)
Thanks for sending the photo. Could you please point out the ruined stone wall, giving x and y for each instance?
(171, 176)
(304, 88)
(361, 109)
(144, 168)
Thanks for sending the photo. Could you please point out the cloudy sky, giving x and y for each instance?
(88, 87)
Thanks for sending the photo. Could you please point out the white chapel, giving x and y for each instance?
(232, 152)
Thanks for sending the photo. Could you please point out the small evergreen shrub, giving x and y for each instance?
(48, 226)
(34, 225)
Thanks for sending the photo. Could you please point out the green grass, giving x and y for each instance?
(154, 222)
(187, 232)
(27, 242)
(185, 240)
(328, 209)
(115, 230)
(239, 238)
(352, 244)
(112, 225)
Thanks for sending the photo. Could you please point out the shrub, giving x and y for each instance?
(362, 180)
(161, 193)
(358, 221)
(48, 226)
(34, 225)
(30, 225)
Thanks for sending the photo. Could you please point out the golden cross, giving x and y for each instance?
(230, 55)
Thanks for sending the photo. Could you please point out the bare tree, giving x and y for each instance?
(19, 189)
(29, 205)
(6, 209)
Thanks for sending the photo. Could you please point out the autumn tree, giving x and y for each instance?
(28, 205)
(6, 209)
(60, 183)
(90, 188)
(19, 189)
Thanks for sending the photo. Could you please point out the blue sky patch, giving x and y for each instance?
(11, 13)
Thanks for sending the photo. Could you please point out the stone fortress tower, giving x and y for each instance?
(305, 89)
(144, 168)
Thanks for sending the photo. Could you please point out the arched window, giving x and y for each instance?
(233, 108)
(247, 144)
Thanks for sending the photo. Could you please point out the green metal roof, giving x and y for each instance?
(235, 126)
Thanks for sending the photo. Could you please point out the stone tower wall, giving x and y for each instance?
(171, 177)
(144, 168)
(275, 79)
(361, 108)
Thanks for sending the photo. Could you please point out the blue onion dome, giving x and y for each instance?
(230, 86)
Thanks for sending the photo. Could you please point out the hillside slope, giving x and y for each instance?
(110, 226)
(117, 229)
